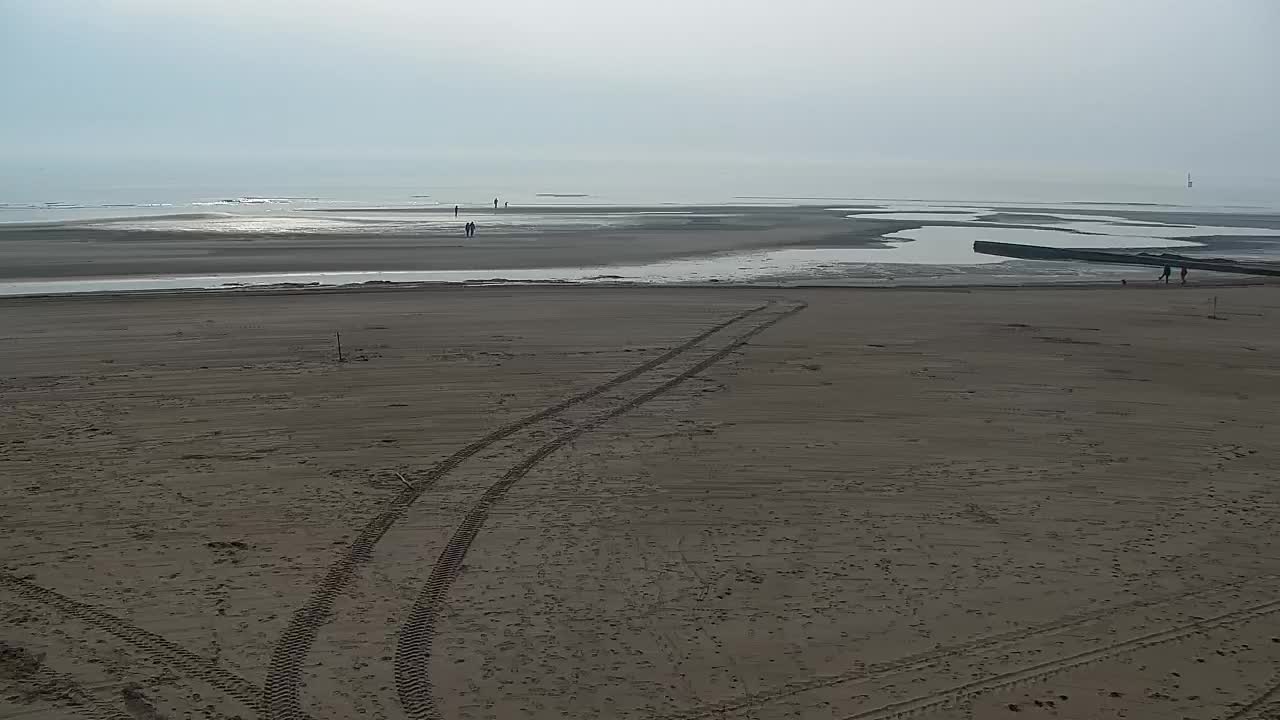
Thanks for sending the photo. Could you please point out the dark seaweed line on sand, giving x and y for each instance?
(281, 694)
(1047, 669)
(413, 649)
(181, 659)
(931, 658)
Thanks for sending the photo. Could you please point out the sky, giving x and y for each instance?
(757, 95)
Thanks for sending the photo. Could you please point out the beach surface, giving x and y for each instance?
(671, 503)
(372, 239)
(854, 242)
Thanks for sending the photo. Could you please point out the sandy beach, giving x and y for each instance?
(697, 503)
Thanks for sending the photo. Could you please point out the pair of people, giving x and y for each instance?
(1168, 271)
(470, 229)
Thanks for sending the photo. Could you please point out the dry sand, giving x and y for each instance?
(693, 503)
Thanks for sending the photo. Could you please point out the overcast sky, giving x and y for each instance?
(1124, 88)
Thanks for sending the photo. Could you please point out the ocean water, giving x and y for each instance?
(85, 190)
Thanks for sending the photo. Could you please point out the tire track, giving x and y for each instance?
(282, 692)
(1049, 668)
(413, 648)
(177, 657)
(931, 658)
(1262, 700)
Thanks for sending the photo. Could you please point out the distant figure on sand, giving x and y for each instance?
(455, 211)
(495, 203)
(1183, 273)
(505, 205)
(1168, 271)
(470, 229)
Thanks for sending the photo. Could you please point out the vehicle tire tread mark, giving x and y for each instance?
(1050, 668)
(181, 659)
(930, 658)
(282, 691)
(413, 648)
(1262, 700)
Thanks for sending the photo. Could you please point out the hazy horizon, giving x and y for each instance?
(1050, 98)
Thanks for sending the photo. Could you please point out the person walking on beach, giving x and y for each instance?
(455, 211)
(495, 203)
(1168, 271)
(1183, 272)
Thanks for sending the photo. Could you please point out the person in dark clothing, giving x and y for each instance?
(1168, 272)
(1183, 273)
(495, 203)
(455, 211)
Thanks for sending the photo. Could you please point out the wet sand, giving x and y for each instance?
(641, 503)
(79, 250)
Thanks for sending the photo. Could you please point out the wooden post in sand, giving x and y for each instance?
(1214, 315)
(338, 336)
